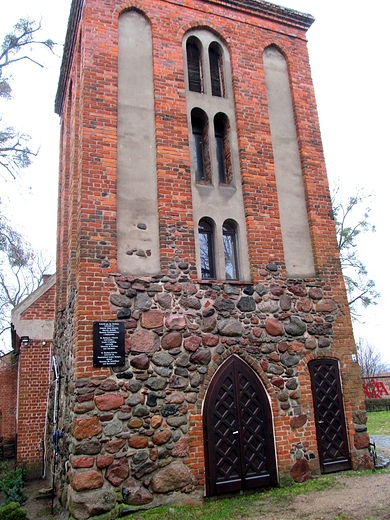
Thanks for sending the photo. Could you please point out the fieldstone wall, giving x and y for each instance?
(134, 439)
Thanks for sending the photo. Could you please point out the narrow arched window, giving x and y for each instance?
(222, 148)
(206, 246)
(230, 249)
(200, 147)
(194, 65)
(216, 70)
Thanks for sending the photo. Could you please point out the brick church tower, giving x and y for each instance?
(203, 338)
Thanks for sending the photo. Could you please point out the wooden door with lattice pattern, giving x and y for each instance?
(240, 452)
(332, 439)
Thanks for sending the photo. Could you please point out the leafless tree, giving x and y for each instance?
(371, 363)
(21, 268)
(21, 272)
(17, 46)
(370, 360)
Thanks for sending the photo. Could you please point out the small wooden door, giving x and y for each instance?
(238, 432)
(329, 415)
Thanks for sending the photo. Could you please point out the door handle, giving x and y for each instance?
(235, 433)
(321, 422)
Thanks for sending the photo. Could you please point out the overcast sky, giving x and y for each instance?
(348, 48)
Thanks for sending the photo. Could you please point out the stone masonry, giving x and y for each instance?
(139, 429)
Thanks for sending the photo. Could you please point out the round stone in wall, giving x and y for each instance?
(230, 327)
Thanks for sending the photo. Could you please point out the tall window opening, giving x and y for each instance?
(216, 70)
(222, 147)
(201, 153)
(194, 65)
(217, 198)
(230, 249)
(206, 246)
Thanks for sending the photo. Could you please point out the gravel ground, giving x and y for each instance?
(350, 498)
(381, 441)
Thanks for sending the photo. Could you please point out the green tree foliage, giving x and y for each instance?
(13, 511)
(16, 46)
(12, 485)
(352, 218)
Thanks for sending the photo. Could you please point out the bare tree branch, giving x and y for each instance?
(371, 363)
(19, 281)
(22, 36)
(15, 153)
(351, 221)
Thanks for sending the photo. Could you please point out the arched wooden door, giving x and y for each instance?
(238, 432)
(332, 438)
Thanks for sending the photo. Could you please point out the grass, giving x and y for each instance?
(239, 506)
(378, 423)
(242, 506)
(246, 505)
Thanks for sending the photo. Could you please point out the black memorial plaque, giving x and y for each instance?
(108, 344)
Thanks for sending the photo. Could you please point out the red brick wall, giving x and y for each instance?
(33, 376)
(8, 396)
(42, 308)
(93, 214)
(87, 242)
(34, 381)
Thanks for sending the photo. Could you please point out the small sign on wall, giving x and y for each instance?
(108, 344)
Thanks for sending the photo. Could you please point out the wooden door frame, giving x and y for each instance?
(343, 463)
(264, 398)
